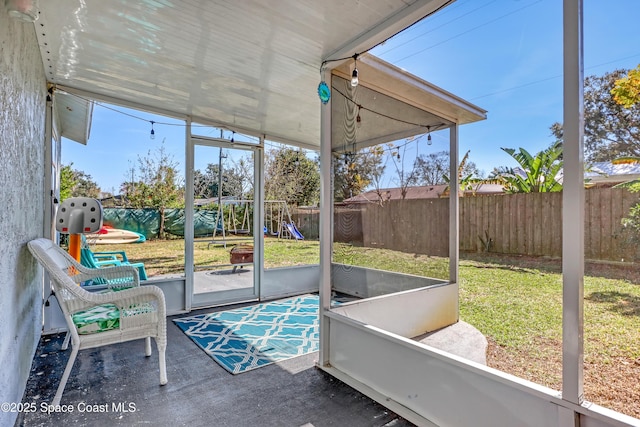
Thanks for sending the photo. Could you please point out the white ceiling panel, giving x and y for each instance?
(251, 65)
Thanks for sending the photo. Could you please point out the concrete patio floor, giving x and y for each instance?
(199, 392)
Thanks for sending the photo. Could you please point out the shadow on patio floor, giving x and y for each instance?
(117, 385)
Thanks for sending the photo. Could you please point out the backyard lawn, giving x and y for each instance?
(514, 301)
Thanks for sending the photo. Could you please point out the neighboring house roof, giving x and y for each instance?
(421, 192)
(607, 172)
(204, 202)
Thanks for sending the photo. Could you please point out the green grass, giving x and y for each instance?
(516, 302)
(510, 304)
(517, 306)
(513, 305)
(389, 260)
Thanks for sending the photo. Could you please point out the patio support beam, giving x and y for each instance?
(454, 203)
(573, 206)
(188, 217)
(49, 228)
(258, 217)
(326, 224)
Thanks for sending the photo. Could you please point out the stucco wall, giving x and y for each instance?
(22, 125)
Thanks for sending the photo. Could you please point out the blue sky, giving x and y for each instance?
(506, 57)
(502, 55)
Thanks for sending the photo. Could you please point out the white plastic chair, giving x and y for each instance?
(142, 312)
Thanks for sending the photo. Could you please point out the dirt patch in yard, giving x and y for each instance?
(613, 383)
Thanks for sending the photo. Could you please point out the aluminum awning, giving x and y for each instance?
(392, 104)
(252, 66)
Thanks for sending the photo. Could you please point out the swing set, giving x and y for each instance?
(229, 227)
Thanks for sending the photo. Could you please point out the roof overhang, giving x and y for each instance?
(72, 117)
(399, 104)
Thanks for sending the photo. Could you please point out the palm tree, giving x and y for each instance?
(537, 174)
(466, 182)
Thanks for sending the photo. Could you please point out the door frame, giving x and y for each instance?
(218, 298)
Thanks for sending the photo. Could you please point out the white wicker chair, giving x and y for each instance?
(142, 308)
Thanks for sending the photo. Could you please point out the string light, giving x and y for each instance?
(354, 74)
(359, 122)
(358, 118)
(152, 122)
(387, 116)
(233, 134)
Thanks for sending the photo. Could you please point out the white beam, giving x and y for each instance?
(188, 217)
(326, 224)
(258, 216)
(49, 230)
(454, 203)
(573, 206)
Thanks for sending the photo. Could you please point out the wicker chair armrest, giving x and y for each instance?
(132, 296)
(112, 255)
(113, 276)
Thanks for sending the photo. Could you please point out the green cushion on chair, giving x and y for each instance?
(97, 319)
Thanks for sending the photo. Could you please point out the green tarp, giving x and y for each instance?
(147, 221)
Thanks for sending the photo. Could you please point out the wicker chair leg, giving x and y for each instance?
(163, 366)
(147, 346)
(65, 344)
(65, 376)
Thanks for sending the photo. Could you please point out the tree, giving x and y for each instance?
(468, 176)
(292, 176)
(240, 178)
(405, 177)
(157, 186)
(76, 183)
(66, 182)
(201, 185)
(611, 130)
(537, 173)
(377, 172)
(355, 171)
(632, 221)
(434, 168)
(626, 91)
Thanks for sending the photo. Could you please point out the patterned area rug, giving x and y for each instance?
(251, 337)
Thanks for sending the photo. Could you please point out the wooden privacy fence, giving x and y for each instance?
(525, 224)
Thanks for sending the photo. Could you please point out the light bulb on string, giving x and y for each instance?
(429, 142)
(358, 118)
(153, 133)
(233, 134)
(354, 74)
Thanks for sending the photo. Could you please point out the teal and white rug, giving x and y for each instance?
(251, 337)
